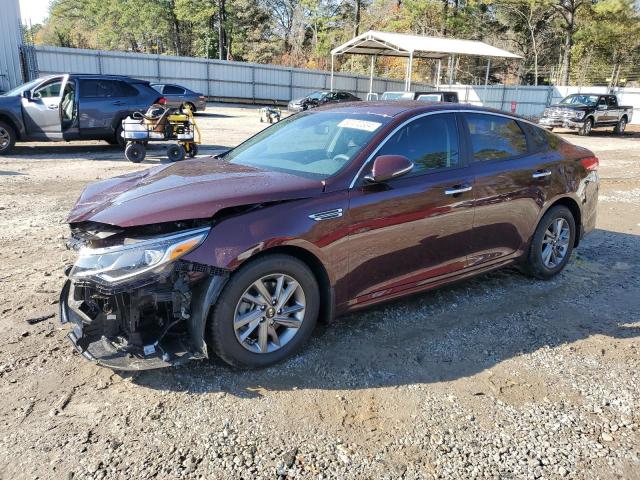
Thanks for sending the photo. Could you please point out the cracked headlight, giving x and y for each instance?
(579, 115)
(117, 264)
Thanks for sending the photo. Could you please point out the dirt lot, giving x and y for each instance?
(498, 377)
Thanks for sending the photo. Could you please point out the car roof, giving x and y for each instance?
(96, 75)
(392, 108)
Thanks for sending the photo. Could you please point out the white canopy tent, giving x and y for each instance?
(375, 44)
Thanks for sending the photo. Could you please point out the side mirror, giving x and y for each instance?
(386, 167)
(27, 94)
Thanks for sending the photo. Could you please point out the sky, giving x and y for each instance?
(34, 10)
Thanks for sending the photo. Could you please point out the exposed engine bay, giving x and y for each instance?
(139, 315)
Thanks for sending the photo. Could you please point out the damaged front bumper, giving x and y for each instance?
(135, 327)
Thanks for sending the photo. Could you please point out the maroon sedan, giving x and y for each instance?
(329, 211)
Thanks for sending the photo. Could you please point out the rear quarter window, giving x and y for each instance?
(127, 90)
(494, 137)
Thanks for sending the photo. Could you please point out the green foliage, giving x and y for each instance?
(603, 36)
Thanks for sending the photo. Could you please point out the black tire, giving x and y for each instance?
(621, 126)
(586, 128)
(118, 139)
(535, 265)
(176, 152)
(135, 152)
(7, 138)
(193, 150)
(221, 337)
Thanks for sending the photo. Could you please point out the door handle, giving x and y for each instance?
(118, 103)
(458, 189)
(53, 107)
(541, 173)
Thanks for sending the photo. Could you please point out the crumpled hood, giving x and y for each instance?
(191, 189)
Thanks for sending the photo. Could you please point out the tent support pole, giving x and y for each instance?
(486, 75)
(452, 62)
(332, 72)
(438, 74)
(410, 71)
(486, 82)
(373, 59)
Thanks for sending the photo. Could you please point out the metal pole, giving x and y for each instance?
(332, 72)
(452, 61)
(373, 58)
(438, 74)
(410, 71)
(485, 102)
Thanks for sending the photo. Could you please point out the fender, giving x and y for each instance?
(18, 125)
(235, 239)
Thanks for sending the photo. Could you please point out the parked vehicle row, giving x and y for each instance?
(242, 254)
(586, 111)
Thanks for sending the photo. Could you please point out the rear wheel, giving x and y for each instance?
(118, 139)
(621, 126)
(586, 128)
(7, 138)
(552, 243)
(135, 152)
(265, 313)
(176, 152)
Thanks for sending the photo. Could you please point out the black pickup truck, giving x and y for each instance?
(586, 111)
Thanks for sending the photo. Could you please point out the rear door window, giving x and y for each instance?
(98, 89)
(430, 142)
(612, 101)
(494, 137)
(126, 90)
(173, 90)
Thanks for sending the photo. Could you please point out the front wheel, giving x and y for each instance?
(7, 138)
(193, 150)
(586, 128)
(265, 313)
(552, 243)
(621, 126)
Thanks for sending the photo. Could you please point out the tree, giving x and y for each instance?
(568, 10)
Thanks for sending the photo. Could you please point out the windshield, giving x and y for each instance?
(316, 145)
(397, 96)
(578, 99)
(22, 88)
(316, 95)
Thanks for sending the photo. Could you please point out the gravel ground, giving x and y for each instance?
(498, 377)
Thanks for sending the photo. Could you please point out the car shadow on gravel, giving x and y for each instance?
(450, 333)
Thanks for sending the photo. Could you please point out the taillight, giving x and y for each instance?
(590, 163)
(202, 97)
(161, 101)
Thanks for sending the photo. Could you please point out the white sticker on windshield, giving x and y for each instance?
(359, 124)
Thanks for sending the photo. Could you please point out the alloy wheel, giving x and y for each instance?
(5, 138)
(269, 313)
(555, 243)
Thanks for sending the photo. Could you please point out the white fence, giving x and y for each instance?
(222, 80)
